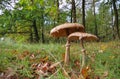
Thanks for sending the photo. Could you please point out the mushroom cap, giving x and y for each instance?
(83, 36)
(65, 29)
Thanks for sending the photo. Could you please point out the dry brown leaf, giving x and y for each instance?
(52, 68)
(32, 56)
(44, 59)
(105, 74)
(33, 66)
(85, 72)
(25, 53)
(45, 69)
(54, 65)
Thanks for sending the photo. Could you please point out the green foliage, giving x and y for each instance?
(46, 13)
(90, 21)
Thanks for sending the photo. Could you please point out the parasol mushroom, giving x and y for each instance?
(82, 36)
(64, 30)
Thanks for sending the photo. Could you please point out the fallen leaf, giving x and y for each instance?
(105, 74)
(54, 65)
(32, 56)
(44, 59)
(26, 53)
(52, 68)
(85, 72)
(45, 67)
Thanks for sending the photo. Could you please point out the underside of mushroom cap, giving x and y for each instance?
(64, 30)
(83, 36)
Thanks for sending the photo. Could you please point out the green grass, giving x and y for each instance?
(107, 57)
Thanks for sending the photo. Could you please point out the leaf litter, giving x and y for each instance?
(44, 68)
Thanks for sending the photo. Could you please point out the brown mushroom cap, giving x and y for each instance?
(64, 30)
(83, 36)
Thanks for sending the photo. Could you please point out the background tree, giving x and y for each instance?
(116, 18)
(73, 11)
(58, 12)
(95, 22)
(83, 12)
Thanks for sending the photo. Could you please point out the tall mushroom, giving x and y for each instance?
(64, 30)
(82, 36)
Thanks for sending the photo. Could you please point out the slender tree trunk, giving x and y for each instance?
(95, 22)
(31, 34)
(116, 18)
(73, 11)
(71, 15)
(42, 34)
(35, 31)
(34, 26)
(58, 12)
(42, 28)
(113, 34)
(83, 12)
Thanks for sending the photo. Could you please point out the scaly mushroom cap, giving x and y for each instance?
(64, 30)
(83, 36)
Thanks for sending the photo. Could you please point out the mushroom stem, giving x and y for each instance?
(83, 55)
(67, 53)
(82, 43)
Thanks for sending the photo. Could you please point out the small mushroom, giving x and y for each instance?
(82, 36)
(64, 30)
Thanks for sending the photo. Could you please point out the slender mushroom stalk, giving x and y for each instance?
(83, 54)
(67, 53)
(82, 36)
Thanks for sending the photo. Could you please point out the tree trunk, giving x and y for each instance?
(95, 22)
(58, 12)
(71, 16)
(73, 11)
(31, 34)
(42, 28)
(35, 31)
(42, 34)
(83, 12)
(113, 34)
(116, 19)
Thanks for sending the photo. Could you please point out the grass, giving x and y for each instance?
(105, 55)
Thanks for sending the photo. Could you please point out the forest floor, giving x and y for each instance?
(45, 61)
